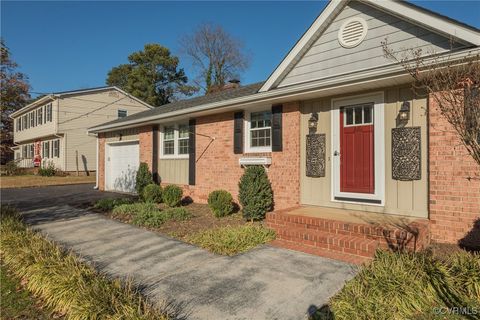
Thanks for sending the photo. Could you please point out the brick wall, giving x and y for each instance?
(217, 166)
(101, 161)
(145, 137)
(454, 200)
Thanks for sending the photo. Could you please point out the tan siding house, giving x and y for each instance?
(52, 130)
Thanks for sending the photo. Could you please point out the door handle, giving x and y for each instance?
(336, 153)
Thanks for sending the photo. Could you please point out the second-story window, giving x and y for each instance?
(19, 124)
(32, 119)
(48, 112)
(39, 116)
(24, 122)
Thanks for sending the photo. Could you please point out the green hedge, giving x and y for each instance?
(221, 203)
(172, 195)
(63, 282)
(143, 178)
(152, 193)
(255, 193)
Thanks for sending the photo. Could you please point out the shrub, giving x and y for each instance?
(255, 193)
(410, 286)
(66, 284)
(11, 168)
(143, 179)
(221, 203)
(172, 195)
(134, 209)
(232, 240)
(107, 204)
(48, 170)
(177, 214)
(152, 193)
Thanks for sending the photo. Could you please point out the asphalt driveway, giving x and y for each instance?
(264, 283)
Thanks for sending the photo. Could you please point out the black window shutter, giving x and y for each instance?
(277, 127)
(238, 133)
(155, 174)
(191, 152)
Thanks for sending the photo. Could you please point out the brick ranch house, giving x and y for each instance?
(356, 160)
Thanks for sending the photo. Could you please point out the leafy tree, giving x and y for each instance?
(151, 75)
(14, 95)
(217, 56)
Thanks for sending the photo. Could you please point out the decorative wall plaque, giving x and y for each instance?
(315, 155)
(406, 154)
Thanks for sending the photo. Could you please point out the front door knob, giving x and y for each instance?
(336, 153)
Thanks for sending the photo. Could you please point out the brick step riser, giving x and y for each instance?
(363, 231)
(326, 242)
(323, 236)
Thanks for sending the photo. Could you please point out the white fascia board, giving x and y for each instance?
(286, 93)
(133, 97)
(430, 21)
(297, 48)
(32, 105)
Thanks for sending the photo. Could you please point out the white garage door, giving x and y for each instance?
(121, 166)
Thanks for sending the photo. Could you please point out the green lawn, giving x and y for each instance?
(16, 302)
(39, 181)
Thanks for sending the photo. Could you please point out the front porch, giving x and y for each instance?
(347, 235)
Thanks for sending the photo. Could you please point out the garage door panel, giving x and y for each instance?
(122, 166)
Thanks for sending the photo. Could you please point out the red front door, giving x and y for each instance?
(357, 149)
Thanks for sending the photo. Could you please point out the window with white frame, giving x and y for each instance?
(56, 148)
(40, 116)
(48, 112)
(174, 140)
(122, 113)
(24, 151)
(32, 119)
(259, 131)
(19, 124)
(30, 151)
(46, 149)
(24, 122)
(358, 115)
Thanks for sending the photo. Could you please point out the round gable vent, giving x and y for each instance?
(352, 32)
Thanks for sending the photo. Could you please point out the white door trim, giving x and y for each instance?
(379, 150)
(108, 165)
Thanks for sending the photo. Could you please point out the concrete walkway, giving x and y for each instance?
(264, 283)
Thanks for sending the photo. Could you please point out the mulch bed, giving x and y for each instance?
(203, 219)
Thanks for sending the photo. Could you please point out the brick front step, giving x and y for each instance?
(348, 241)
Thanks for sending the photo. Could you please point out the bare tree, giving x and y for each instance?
(452, 83)
(215, 54)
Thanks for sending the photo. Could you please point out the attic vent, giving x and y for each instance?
(352, 32)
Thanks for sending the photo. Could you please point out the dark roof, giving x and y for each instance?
(193, 102)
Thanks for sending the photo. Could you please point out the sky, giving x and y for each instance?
(67, 45)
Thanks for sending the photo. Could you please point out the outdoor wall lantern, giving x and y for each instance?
(404, 113)
(313, 122)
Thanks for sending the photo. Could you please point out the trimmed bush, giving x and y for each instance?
(12, 169)
(172, 195)
(221, 203)
(107, 204)
(143, 179)
(232, 240)
(48, 170)
(152, 193)
(410, 286)
(255, 193)
(63, 282)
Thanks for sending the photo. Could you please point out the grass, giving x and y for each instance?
(38, 181)
(108, 204)
(148, 214)
(16, 302)
(62, 281)
(409, 286)
(232, 240)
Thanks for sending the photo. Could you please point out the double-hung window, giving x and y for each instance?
(259, 131)
(40, 115)
(32, 119)
(46, 149)
(56, 148)
(174, 140)
(24, 122)
(19, 124)
(48, 112)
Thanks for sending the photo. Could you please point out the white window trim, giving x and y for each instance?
(247, 135)
(379, 140)
(175, 155)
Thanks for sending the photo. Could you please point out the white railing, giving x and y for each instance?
(24, 162)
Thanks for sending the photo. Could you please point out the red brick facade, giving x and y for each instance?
(454, 199)
(145, 140)
(217, 167)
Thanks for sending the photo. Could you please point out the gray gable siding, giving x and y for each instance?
(327, 58)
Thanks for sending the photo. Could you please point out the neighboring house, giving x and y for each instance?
(52, 129)
(337, 127)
